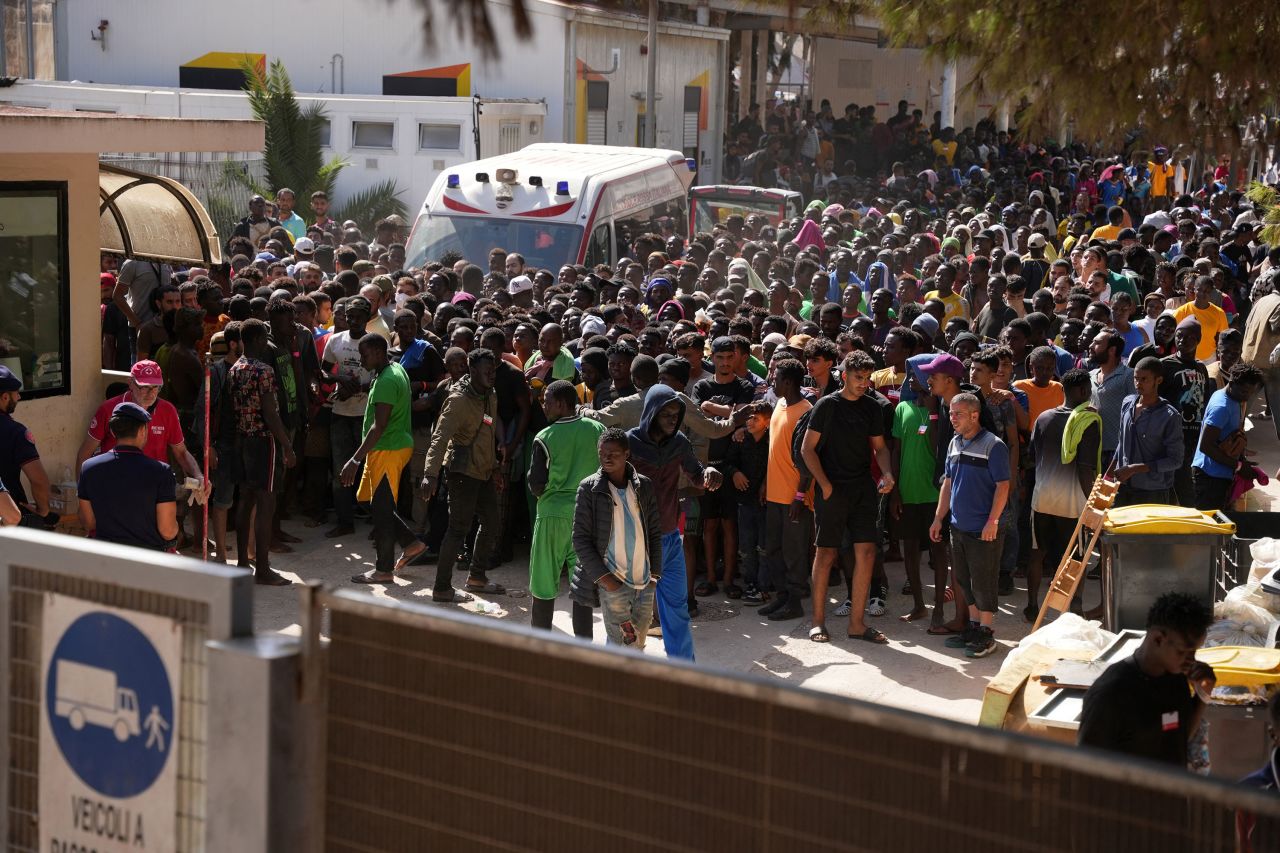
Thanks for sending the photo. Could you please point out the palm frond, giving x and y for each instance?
(371, 204)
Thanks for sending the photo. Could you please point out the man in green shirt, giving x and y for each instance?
(386, 449)
(560, 461)
(915, 497)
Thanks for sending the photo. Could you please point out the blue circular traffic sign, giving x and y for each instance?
(109, 703)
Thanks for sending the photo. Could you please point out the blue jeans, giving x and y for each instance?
(627, 614)
(344, 436)
(751, 541)
(673, 599)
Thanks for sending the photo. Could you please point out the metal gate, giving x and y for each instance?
(443, 731)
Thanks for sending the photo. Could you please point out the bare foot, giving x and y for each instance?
(918, 613)
(957, 626)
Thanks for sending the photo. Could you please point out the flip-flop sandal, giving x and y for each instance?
(941, 630)
(871, 635)
(409, 556)
(287, 537)
(705, 589)
(273, 579)
(819, 634)
(489, 588)
(280, 548)
(1031, 614)
(875, 607)
(369, 578)
(455, 596)
(733, 590)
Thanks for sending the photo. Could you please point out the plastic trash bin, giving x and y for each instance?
(1250, 527)
(1154, 549)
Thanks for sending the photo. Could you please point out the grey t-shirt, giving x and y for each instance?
(139, 278)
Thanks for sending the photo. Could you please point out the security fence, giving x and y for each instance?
(414, 728)
(445, 732)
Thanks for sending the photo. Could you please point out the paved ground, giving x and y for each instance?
(914, 671)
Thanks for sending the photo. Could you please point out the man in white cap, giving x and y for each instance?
(521, 290)
(164, 432)
(591, 325)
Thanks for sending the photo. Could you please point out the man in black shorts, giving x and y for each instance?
(854, 426)
(718, 508)
(261, 438)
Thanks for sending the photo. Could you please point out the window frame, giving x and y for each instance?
(60, 189)
(421, 123)
(395, 135)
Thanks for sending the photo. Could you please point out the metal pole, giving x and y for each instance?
(208, 389)
(650, 95)
(948, 108)
(31, 41)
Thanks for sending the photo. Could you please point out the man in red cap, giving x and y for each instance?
(164, 434)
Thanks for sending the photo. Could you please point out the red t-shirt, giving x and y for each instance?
(164, 426)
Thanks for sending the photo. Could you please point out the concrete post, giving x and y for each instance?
(762, 67)
(651, 94)
(948, 106)
(1003, 112)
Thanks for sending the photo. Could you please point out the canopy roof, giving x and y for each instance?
(147, 216)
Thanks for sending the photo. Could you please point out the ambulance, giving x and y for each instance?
(712, 205)
(554, 204)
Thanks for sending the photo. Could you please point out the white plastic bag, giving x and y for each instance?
(1266, 557)
(1233, 632)
(1068, 632)
(1253, 593)
(1246, 613)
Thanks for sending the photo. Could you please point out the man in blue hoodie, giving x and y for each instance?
(660, 452)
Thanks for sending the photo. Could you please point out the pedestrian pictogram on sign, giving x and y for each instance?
(108, 728)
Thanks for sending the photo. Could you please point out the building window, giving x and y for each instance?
(597, 112)
(325, 130)
(439, 137)
(692, 114)
(373, 134)
(34, 299)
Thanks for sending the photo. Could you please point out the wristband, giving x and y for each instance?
(800, 496)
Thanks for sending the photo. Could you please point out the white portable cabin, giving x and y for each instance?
(554, 204)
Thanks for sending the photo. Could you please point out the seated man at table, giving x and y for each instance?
(1149, 704)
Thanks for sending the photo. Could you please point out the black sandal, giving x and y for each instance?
(453, 596)
(705, 589)
(818, 634)
(369, 578)
(871, 635)
(733, 590)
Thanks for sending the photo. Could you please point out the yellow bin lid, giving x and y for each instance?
(1150, 519)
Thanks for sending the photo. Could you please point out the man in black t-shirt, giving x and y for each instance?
(718, 509)
(1186, 386)
(853, 424)
(1148, 705)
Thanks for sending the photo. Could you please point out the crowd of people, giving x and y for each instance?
(937, 359)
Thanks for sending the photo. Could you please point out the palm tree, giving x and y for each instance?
(293, 155)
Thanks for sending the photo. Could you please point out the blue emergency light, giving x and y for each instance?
(691, 163)
(562, 187)
(454, 182)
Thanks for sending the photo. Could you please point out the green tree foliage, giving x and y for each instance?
(1180, 69)
(293, 154)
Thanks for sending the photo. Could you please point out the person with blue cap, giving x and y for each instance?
(127, 497)
(19, 457)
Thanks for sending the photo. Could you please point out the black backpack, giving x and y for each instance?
(797, 442)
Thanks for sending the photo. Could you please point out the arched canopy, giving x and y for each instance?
(147, 216)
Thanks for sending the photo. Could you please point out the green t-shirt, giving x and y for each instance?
(569, 448)
(756, 366)
(391, 386)
(915, 480)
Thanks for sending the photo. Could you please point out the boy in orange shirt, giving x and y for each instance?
(1042, 390)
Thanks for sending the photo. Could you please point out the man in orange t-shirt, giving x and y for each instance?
(788, 497)
(1042, 390)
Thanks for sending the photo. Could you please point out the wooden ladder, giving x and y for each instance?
(1072, 568)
